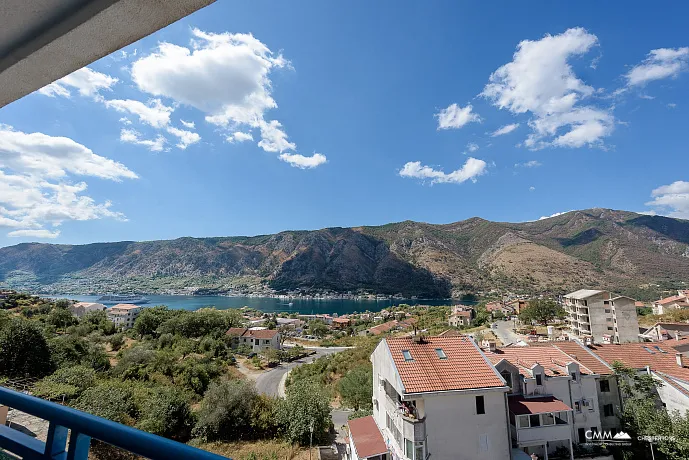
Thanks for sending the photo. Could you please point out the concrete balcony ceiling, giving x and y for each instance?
(43, 40)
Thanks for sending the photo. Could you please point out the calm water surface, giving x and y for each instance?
(306, 306)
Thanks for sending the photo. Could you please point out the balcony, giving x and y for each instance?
(70, 433)
(414, 428)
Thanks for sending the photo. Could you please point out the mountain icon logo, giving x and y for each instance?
(622, 436)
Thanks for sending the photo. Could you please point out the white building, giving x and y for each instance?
(258, 339)
(438, 397)
(81, 308)
(599, 317)
(124, 314)
(675, 302)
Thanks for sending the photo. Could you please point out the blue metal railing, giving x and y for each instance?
(70, 432)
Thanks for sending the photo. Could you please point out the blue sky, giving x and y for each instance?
(315, 114)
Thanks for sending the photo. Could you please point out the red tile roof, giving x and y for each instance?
(390, 325)
(366, 436)
(126, 306)
(464, 368)
(256, 333)
(640, 355)
(462, 313)
(520, 405)
(674, 298)
(553, 360)
(583, 355)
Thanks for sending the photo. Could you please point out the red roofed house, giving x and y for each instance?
(462, 318)
(259, 339)
(675, 302)
(365, 440)
(341, 323)
(439, 396)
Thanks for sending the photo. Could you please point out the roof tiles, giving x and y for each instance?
(523, 406)
(366, 436)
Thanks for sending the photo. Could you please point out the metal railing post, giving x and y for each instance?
(56, 443)
(79, 445)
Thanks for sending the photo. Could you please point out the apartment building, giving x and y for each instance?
(124, 314)
(257, 338)
(79, 309)
(461, 318)
(552, 398)
(599, 317)
(438, 397)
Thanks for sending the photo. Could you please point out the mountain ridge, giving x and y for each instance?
(593, 247)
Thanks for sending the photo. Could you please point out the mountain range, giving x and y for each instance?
(597, 248)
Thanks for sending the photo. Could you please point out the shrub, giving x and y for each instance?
(226, 411)
(306, 405)
(69, 382)
(166, 412)
(24, 351)
(112, 400)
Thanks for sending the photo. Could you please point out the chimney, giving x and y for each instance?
(680, 359)
(676, 335)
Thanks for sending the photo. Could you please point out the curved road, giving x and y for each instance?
(268, 382)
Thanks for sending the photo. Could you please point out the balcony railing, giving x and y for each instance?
(70, 432)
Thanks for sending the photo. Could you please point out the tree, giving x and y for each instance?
(306, 406)
(542, 311)
(68, 382)
(61, 318)
(356, 388)
(24, 351)
(116, 341)
(482, 316)
(318, 328)
(166, 412)
(150, 319)
(226, 411)
(111, 400)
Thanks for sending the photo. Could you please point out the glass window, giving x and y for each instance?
(508, 377)
(418, 454)
(441, 354)
(604, 386)
(607, 410)
(523, 421)
(560, 418)
(539, 379)
(480, 405)
(547, 419)
(577, 406)
(409, 452)
(534, 420)
(407, 355)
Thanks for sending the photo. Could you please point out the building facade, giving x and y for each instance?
(258, 339)
(79, 309)
(599, 317)
(124, 314)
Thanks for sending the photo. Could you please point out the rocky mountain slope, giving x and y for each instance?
(595, 248)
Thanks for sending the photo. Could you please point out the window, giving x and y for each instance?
(605, 302)
(441, 354)
(582, 435)
(547, 419)
(534, 420)
(418, 454)
(539, 379)
(508, 377)
(607, 410)
(407, 355)
(561, 418)
(604, 386)
(574, 376)
(409, 448)
(577, 406)
(480, 405)
(610, 328)
(267, 342)
(607, 310)
(523, 421)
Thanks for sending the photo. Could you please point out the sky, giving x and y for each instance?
(250, 118)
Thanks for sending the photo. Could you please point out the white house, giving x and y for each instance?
(124, 314)
(81, 308)
(675, 302)
(438, 397)
(259, 339)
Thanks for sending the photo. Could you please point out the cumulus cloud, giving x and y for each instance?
(300, 161)
(36, 187)
(454, 117)
(87, 82)
(505, 129)
(131, 136)
(472, 146)
(186, 138)
(155, 114)
(470, 171)
(671, 200)
(659, 64)
(188, 124)
(239, 136)
(528, 164)
(41, 234)
(539, 80)
(226, 76)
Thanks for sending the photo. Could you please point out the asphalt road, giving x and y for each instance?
(269, 382)
(504, 332)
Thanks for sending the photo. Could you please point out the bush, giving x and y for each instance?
(61, 318)
(356, 388)
(111, 400)
(195, 375)
(116, 341)
(133, 363)
(166, 412)
(150, 319)
(24, 351)
(226, 411)
(69, 382)
(306, 405)
(201, 323)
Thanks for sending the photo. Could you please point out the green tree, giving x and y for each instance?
(482, 316)
(116, 341)
(356, 388)
(306, 406)
(318, 328)
(24, 351)
(542, 311)
(166, 412)
(109, 399)
(150, 319)
(69, 382)
(226, 411)
(61, 318)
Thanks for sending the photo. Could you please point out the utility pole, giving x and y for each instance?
(310, 438)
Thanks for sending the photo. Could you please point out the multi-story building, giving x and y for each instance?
(79, 309)
(438, 397)
(599, 317)
(124, 314)
(461, 318)
(257, 338)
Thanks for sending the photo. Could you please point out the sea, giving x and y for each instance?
(270, 304)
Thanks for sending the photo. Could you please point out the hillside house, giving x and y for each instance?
(462, 318)
(665, 331)
(341, 323)
(258, 339)
(365, 441)
(79, 309)
(675, 302)
(124, 314)
(497, 306)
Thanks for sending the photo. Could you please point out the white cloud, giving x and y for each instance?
(41, 233)
(131, 136)
(239, 136)
(186, 138)
(532, 188)
(470, 171)
(472, 146)
(155, 113)
(454, 117)
(539, 80)
(505, 129)
(671, 200)
(528, 164)
(554, 215)
(43, 155)
(125, 121)
(671, 105)
(273, 138)
(35, 187)
(659, 64)
(86, 81)
(303, 162)
(188, 124)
